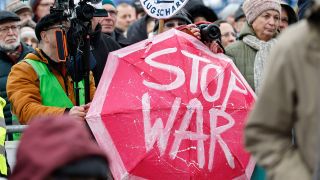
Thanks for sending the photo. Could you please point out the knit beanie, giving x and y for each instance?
(253, 8)
(108, 2)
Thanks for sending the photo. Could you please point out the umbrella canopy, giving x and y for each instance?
(168, 108)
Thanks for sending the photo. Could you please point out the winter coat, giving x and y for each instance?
(102, 44)
(243, 55)
(289, 98)
(24, 92)
(5, 66)
(138, 30)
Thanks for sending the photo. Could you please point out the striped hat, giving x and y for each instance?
(253, 8)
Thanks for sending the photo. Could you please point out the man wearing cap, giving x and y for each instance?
(24, 11)
(41, 85)
(11, 52)
(108, 23)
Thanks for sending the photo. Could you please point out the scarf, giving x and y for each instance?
(263, 50)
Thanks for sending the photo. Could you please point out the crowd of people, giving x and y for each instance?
(279, 65)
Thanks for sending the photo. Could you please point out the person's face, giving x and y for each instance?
(31, 41)
(172, 23)
(44, 8)
(266, 24)
(9, 35)
(48, 36)
(108, 23)
(124, 18)
(25, 15)
(284, 22)
(228, 35)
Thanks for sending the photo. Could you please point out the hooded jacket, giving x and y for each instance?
(51, 143)
(24, 91)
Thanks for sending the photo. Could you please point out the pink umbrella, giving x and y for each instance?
(168, 108)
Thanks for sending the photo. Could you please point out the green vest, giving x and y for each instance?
(3, 162)
(52, 94)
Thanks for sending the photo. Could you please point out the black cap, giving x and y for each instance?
(7, 16)
(203, 11)
(293, 18)
(48, 21)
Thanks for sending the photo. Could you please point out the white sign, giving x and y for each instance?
(162, 9)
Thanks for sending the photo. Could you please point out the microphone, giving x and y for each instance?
(62, 49)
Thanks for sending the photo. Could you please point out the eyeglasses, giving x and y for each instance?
(172, 24)
(229, 34)
(63, 27)
(112, 13)
(6, 29)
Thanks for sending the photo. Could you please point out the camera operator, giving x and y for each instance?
(40, 85)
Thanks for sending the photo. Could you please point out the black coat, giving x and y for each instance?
(5, 68)
(102, 44)
(138, 30)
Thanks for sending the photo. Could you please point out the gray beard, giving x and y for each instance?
(8, 48)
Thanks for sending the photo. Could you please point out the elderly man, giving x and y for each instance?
(41, 85)
(11, 52)
(108, 24)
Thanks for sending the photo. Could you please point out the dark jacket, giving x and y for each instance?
(5, 68)
(102, 44)
(117, 35)
(138, 30)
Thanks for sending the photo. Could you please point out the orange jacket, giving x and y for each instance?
(24, 91)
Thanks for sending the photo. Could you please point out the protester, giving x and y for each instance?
(108, 24)
(23, 11)
(202, 13)
(289, 99)
(288, 16)
(12, 50)
(4, 169)
(59, 148)
(40, 8)
(102, 44)
(28, 36)
(125, 17)
(256, 39)
(40, 85)
(228, 34)
(239, 20)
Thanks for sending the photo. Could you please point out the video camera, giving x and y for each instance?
(77, 47)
